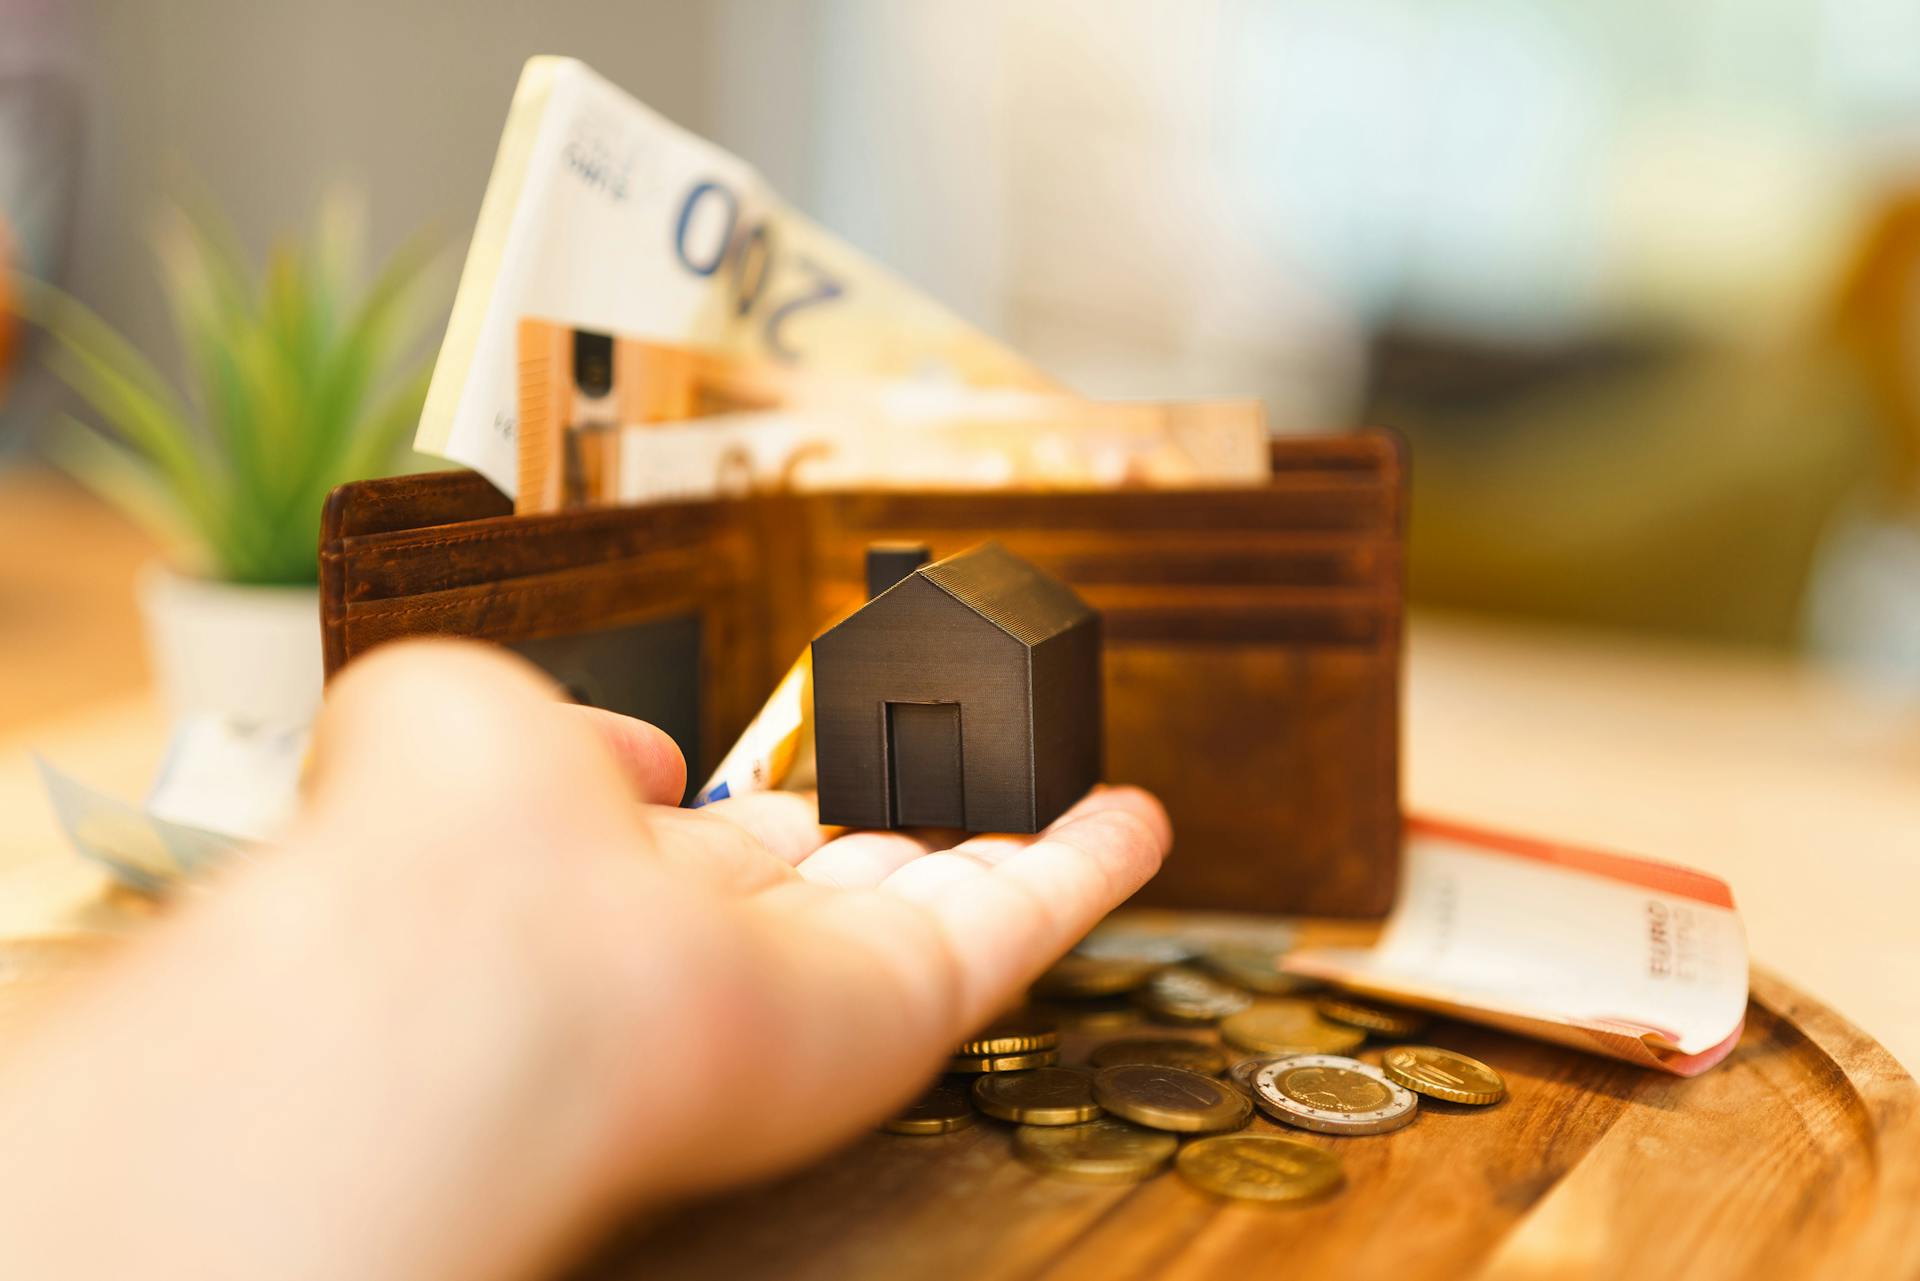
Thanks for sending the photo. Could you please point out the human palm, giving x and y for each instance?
(761, 987)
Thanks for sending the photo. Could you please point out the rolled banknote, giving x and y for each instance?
(601, 213)
(776, 751)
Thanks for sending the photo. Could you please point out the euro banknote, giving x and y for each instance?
(601, 213)
(608, 419)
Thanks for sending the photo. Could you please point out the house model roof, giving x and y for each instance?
(1021, 600)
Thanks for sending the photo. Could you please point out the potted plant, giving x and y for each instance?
(301, 377)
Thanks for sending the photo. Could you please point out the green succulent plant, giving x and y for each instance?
(302, 376)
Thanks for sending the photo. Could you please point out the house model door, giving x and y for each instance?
(923, 762)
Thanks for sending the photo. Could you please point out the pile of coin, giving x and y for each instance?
(1284, 1047)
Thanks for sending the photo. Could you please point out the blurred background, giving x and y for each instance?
(1637, 281)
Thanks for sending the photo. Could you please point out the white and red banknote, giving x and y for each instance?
(1626, 957)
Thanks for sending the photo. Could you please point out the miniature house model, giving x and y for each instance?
(965, 693)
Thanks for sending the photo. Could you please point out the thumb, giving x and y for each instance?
(645, 753)
(450, 744)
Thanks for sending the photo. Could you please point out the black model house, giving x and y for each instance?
(965, 694)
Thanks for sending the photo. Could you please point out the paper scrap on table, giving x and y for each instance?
(240, 781)
(601, 213)
(1627, 957)
(222, 786)
(142, 851)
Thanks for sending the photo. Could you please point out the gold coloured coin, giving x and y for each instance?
(1107, 1150)
(1378, 1019)
(1021, 1033)
(1258, 1167)
(1170, 1099)
(1443, 1074)
(1075, 975)
(1333, 1095)
(1045, 1096)
(1256, 969)
(940, 1110)
(1182, 994)
(1288, 1027)
(1193, 1056)
(969, 1063)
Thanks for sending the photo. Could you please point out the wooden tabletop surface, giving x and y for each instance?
(1798, 1157)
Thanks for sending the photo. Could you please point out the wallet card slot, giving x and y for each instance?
(1303, 561)
(1318, 502)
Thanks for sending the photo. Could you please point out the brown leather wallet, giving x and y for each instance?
(1253, 636)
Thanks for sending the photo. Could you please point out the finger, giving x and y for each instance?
(723, 855)
(861, 860)
(869, 989)
(646, 754)
(1129, 800)
(444, 745)
(787, 823)
(1007, 922)
(993, 848)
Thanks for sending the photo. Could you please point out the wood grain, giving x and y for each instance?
(1798, 1157)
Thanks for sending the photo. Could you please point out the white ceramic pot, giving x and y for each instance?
(248, 653)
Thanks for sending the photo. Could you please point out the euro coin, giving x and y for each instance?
(1168, 1098)
(1256, 1167)
(1256, 969)
(1378, 1019)
(1333, 1095)
(1075, 975)
(1288, 1027)
(940, 1110)
(970, 1063)
(1443, 1074)
(1021, 1033)
(1193, 1056)
(1181, 994)
(1106, 1150)
(1045, 1096)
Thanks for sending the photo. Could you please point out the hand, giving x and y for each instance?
(483, 1001)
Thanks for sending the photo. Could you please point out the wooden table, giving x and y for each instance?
(1797, 1157)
